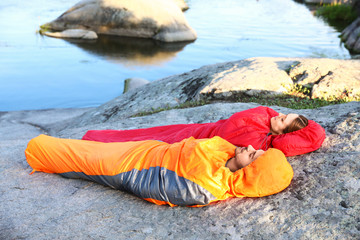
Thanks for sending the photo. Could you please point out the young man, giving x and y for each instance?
(191, 172)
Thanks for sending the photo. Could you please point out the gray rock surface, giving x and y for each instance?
(231, 80)
(351, 36)
(133, 83)
(328, 77)
(73, 33)
(322, 202)
(158, 19)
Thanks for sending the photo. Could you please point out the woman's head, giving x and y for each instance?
(287, 123)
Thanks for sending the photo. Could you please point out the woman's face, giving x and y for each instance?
(246, 155)
(279, 123)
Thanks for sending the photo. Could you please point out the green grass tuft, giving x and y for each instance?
(44, 28)
(337, 12)
(297, 97)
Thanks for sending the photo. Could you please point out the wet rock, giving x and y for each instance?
(159, 19)
(351, 36)
(73, 33)
(133, 83)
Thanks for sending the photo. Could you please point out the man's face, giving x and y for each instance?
(246, 155)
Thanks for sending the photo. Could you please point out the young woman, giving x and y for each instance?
(193, 172)
(261, 127)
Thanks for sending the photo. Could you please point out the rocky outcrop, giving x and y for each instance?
(322, 202)
(158, 19)
(327, 78)
(351, 36)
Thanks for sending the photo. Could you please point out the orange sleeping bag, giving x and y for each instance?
(190, 172)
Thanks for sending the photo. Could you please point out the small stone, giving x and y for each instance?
(344, 204)
(133, 83)
(74, 34)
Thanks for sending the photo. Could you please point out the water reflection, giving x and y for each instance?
(131, 51)
(42, 72)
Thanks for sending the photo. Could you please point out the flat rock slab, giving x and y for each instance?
(321, 202)
(255, 76)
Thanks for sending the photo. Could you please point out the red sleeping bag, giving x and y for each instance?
(249, 127)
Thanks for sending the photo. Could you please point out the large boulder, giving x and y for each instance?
(252, 77)
(328, 78)
(157, 19)
(351, 36)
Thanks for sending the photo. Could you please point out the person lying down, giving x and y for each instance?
(193, 172)
(261, 127)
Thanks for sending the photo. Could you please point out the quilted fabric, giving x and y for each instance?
(188, 173)
(249, 127)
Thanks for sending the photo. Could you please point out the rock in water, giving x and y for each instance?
(158, 19)
(73, 33)
(351, 36)
(132, 83)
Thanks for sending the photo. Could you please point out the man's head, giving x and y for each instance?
(243, 157)
(268, 174)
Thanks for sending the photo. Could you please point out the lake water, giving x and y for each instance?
(40, 72)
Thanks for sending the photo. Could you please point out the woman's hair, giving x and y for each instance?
(298, 123)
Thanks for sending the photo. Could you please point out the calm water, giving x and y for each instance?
(39, 72)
